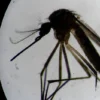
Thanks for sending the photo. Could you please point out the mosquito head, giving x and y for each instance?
(45, 29)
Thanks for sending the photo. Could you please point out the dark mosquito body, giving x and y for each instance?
(64, 22)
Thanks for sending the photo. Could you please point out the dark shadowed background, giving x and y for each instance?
(4, 4)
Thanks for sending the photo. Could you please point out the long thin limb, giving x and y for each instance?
(68, 71)
(88, 72)
(60, 68)
(49, 58)
(60, 64)
(80, 62)
(77, 78)
(94, 72)
(45, 69)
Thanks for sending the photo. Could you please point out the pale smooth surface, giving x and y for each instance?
(20, 78)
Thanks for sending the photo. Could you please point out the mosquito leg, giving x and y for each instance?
(43, 85)
(47, 91)
(66, 80)
(60, 68)
(60, 64)
(82, 65)
(73, 51)
(66, 61)
(87, 70)
(68, 71)
(77, 78)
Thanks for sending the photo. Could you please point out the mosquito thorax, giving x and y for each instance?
(62, 21)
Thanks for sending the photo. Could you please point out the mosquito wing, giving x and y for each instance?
(87, 46)
(89, 31)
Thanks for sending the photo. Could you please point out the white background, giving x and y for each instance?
(21, 78)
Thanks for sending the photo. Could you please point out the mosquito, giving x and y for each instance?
(65, 22)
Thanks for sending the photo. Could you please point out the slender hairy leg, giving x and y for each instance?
(60, 64)
(72, 50)
(81, 60)
(43, 85)
(60, 69)
(68, 72)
